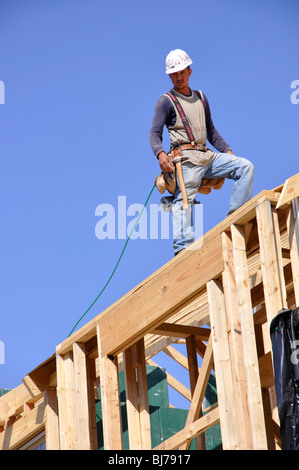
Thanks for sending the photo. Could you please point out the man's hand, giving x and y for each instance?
(230, 152)
(165, 162)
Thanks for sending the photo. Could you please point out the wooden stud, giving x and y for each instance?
(110, 401)
(268, 419)
(293, 237)
(271, 260)
(201, 383)
(199, 389)
(82, 426)
(224, 378)
(135, 441)
(144, 416)
(137, 397)
(192, 362)
(236, 344)
(193, 376)
(66, 401)
(52, 424)
(92, 392)
(275, 417)
(248, 336)
(278, 244)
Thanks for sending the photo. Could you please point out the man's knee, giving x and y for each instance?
(247, 167)
(250, 166)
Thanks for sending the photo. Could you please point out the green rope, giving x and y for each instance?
(118, 261)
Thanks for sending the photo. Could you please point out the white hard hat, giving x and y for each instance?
(177, 60)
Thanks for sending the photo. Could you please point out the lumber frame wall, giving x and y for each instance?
(219, 298)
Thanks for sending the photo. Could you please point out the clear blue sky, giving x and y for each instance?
(81, 81)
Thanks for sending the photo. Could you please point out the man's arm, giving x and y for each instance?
(213, 135)
(161, 117)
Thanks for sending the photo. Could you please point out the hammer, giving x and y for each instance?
(177, 161)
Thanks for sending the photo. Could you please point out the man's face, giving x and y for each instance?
(180, 79)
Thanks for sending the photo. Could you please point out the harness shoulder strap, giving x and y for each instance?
(200, 94)
(182, 116)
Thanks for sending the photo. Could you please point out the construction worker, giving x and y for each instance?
(201, 162)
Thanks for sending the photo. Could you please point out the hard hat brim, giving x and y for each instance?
(178, 68)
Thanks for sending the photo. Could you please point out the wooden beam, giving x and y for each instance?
(24, 428)
(182, 331)
(35, 391)
(201, 348)
(38, 380)
(201, 382)
(174, 383)
(289, 192)
(12, 403)
(189, 432)
(159, 298)
(245, 214)
(176, 356)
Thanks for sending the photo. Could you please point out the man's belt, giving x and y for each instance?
(194, 146)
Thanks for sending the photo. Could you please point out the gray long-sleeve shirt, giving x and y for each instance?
(165, 115)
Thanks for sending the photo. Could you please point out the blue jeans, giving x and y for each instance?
(224, 165)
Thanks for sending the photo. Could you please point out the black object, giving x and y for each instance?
(284, 332)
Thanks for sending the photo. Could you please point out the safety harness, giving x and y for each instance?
(166, 180)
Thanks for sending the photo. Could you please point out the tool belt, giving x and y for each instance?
(193, 146)
(167, 181)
